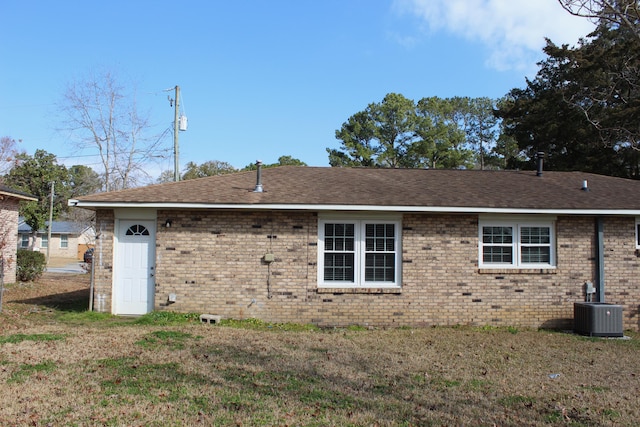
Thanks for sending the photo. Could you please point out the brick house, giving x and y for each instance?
(9, 207)
(378, 247)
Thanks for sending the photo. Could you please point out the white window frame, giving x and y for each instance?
(638, 233)
(517, 224)
(64, 241)
(24, 240)
(44, 241)
(360, 223)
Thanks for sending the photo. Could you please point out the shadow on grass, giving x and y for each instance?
(75, 301)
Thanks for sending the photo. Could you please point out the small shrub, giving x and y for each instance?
(30, 265)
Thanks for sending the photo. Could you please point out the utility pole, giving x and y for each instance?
(179, 124)
(50, 222)
(176, 130)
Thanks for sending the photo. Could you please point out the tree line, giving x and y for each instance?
(457, 132)
(217, 167)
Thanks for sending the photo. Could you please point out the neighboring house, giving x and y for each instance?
(9, 207)
(68, 239)
(377, 247)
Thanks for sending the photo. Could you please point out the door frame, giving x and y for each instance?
(147, 216)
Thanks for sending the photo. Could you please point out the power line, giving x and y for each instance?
(2, 107)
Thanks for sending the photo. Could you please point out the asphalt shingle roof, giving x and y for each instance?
(295, 185)
(57, 227)
(16, 193)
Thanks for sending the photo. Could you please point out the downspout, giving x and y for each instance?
(600, 258)
(91, 283)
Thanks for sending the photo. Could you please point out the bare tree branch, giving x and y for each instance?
(618, 12)
(103, 116)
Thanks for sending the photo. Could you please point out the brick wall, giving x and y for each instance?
(9, 236)
(103, 261)
(214, 263)
(622, 268)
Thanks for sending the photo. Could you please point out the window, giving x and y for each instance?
(45, 241)
(24, 240)
(516, 243)
(637, 233)
(137, 230)
(359, 253)
(64, 241)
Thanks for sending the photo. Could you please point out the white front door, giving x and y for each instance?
(134, 269)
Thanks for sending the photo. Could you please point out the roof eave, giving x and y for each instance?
(19, 196)
(376, 208)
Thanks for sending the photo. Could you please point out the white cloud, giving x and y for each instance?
(513, 31)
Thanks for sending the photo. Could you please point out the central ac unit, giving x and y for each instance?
(597, 319)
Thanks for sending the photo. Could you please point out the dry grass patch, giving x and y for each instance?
(62, 369)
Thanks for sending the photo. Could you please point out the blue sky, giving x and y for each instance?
(261, 79)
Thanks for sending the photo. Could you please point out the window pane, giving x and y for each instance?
(536, 254)
(349, 230)
(380, 238)
(328, 230)
(369, 234)
(497, 254)
(328, 243)
(339, 237)
(535, 235)
(137, 230)
(348, 244)
(338, 267)
(380, 267)
(390, 245)
(64, 241)
(390, 230)
(497, 235)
